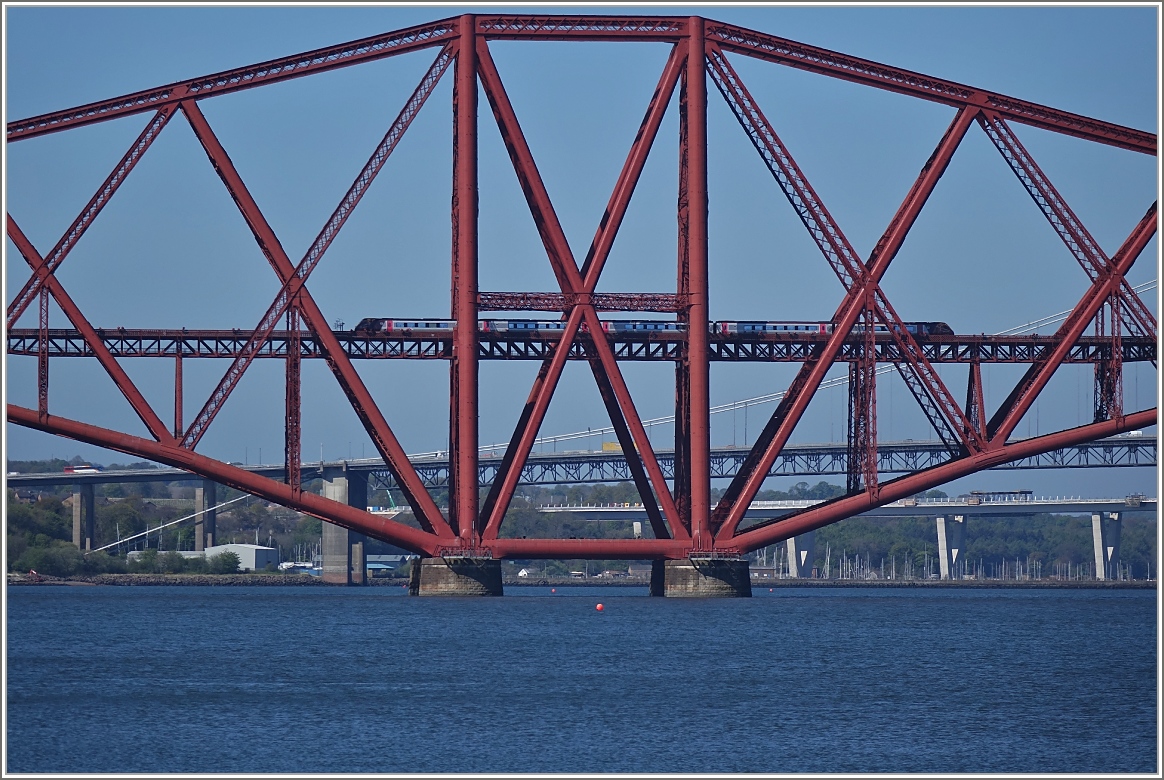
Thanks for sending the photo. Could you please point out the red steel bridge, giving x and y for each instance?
(1110, 324)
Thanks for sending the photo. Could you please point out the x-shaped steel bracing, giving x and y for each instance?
(697, 45)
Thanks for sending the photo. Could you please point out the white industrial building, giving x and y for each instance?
(251, 557)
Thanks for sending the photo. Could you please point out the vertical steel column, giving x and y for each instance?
(42, 371)
(862, 444)
(292, 434)
(975, 402)
(682, 467)
(697, 314)
(178, 429)
(464, 500)
(1109, 382)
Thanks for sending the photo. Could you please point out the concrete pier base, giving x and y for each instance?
(801, 553)
(714, 578)
(951, 544)
(455, 577)
(1105, 535)
(344, 556)
(83, 519)
(205, 499)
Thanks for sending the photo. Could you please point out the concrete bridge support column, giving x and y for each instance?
(344, 557)
(455, 576)
(951, 546)
(1105, 536)
(801, 553)
(708, 577)
(205, 499)
(83, 516)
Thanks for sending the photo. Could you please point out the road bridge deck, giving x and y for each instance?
(906, 508)
(594, 467)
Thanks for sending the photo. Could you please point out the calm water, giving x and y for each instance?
(138, 679)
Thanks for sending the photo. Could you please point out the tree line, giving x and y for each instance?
(39, 529)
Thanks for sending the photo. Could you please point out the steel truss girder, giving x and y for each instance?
(549, 28)
(859, 280)
(904, 487)
(691, 39)
(429, 544)
(1136, 317)
(793, 348)
(808, 460)
(574, 281)
(813, 460)
(357, 393)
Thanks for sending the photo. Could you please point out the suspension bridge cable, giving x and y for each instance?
(148, 531)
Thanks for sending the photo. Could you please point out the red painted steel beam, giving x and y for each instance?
(42, 357)
(1075, 236)
(682, 446)
(586, 28)
(548, 28)
(292, 428)
(293, 284)
(272, 71)
(53, 286)
(1027, 390)
(355, 519)
(424, 508)
(106, 191)
(626, 441)
(628, 179)
(697, 364)
(529, 421)
(904, 487)
(834, 64)
(464, 498)
(178, 428)
(923, 382)
(536, 405)
(569, 279)
(747, 482)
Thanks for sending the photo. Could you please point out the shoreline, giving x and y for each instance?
(307, 580)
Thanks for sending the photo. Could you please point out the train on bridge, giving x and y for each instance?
(372, 326)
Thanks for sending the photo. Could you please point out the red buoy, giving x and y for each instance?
(553, 590)
(599, 608)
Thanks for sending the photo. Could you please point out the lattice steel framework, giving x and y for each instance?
(677, 499)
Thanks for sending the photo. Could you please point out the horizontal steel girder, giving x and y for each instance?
(774, 348)
(635, 549)
(740, 40)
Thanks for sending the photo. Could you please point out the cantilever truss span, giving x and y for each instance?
(866, 328)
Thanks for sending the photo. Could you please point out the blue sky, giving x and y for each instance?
(171, 250)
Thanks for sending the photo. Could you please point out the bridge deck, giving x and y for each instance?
(592, 467)
(905, 508)
(656, 346)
